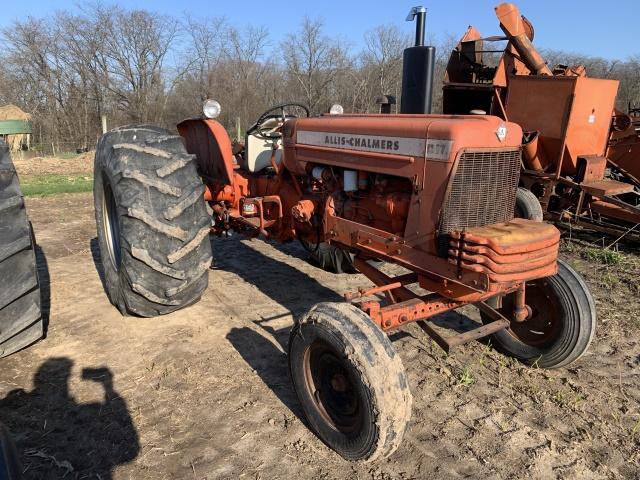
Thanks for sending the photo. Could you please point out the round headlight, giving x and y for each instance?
(336, 109)
(211, 109)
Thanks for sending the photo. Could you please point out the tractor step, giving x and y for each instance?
(601, 188)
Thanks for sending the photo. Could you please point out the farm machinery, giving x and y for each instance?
(21, 319)
(434, 194)
(581, 158)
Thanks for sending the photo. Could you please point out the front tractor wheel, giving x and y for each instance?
(527, 205)
(151, 221)
(350, 381)
(560, 326)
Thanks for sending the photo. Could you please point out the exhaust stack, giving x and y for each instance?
(417, 69)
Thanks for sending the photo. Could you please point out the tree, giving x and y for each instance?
(137, 44)
(314, 61)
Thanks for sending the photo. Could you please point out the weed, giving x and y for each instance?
(601, 255)
(561, 399)
(535, 364)
(465, 379)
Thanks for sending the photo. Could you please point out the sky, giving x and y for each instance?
(585, 27)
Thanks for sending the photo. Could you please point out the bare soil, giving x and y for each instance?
(73, 165)
(204, 393)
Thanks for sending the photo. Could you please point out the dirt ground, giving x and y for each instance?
(204, 393)
(75, 164)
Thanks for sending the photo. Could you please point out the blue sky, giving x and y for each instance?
(586, 27)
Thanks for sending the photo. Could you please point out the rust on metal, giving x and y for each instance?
(571, 130)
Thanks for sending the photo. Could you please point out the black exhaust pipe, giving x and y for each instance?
(417, 69)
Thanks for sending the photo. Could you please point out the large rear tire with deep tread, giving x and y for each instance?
(21, 322)
(329, 258)
(152, 222)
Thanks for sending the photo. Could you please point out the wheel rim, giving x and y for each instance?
(544, 325)
(330, 383)
(111, 225)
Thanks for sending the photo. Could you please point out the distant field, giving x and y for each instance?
(52, 184)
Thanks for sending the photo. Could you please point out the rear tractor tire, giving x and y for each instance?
(527, 205)
(350, 381)
(561, 325)
(152, 223)
(21, 322)
(329, 258)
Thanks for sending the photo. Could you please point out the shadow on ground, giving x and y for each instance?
(94, 247)
(44, 281)
(269, 363)
(292, 288)
(295, 290)
(58, 437)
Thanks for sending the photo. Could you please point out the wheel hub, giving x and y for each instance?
(111, 225)
(542, 323)
(333, 387)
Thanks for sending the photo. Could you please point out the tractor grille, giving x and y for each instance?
(483, 190)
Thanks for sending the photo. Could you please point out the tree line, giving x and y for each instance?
(137, 66)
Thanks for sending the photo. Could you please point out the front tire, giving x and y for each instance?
(152, 223)
(350, 381)
(561, 325)
(527, 205)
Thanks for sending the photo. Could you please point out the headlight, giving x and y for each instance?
(336, 109)
(211, 109)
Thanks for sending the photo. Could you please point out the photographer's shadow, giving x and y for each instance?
(57, 436)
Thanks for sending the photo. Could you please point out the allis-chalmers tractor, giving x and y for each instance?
(434, 194)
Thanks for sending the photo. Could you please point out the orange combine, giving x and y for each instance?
(434, 194)
(579, 163)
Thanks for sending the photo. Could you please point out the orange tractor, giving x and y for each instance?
(434, 194)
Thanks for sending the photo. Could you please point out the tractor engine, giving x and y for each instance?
(377, 200)
(397, 173)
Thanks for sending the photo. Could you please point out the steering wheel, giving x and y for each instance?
(268, 124)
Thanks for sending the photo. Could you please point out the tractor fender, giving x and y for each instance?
(209, 141)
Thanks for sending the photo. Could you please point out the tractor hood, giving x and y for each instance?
(392, 144)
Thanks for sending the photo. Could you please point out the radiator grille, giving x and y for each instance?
(483, 191)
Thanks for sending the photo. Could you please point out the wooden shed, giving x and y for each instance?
(15, 127)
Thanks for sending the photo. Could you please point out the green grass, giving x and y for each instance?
(46, 185)
(602, 255)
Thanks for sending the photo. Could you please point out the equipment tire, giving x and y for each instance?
(21, 322)
(527, 205)
(330, 258)
(151, 219)
(562, 324)
(350, 381)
